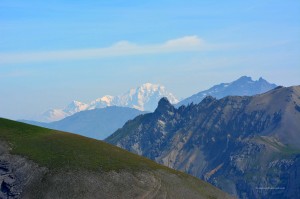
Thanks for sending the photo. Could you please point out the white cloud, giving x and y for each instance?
(122, 48)
(187, 41)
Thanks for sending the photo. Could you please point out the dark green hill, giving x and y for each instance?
(41, 163)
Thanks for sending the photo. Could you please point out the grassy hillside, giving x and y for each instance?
(55, 149)
(60, 151)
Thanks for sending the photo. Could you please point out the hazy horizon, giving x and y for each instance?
(54, 52)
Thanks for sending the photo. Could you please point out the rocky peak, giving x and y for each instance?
(164, 105)
(261, 79)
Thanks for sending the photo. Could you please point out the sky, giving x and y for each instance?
(53, 52)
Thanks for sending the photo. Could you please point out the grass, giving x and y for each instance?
(55, 149)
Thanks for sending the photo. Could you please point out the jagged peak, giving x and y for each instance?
(164, 105)
(248, 80)
(163, 100)
(262, 81)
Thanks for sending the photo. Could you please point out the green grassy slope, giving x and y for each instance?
(55, 149)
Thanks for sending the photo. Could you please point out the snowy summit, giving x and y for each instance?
(144, 98)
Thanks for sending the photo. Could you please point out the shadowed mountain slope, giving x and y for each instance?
(247, 146)
(41, 163)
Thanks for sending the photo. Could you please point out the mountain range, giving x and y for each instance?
(244, 86)
(146, 96)
(41, 163)
(89, 120)
(143, 98)
(97, 123)
(248, 146)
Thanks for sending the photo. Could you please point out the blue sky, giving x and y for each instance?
(52, 52)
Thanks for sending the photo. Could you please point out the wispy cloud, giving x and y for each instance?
(122, 48)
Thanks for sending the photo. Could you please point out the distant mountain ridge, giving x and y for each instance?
(97, 123)
(143, 98)
(146, 96)
(244, 86)
(248, 146)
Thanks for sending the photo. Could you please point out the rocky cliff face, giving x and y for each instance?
(16, 173)
(247, 146)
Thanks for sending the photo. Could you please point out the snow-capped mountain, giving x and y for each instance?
(58, 114)
(102, 102)
(144, 98)
(74, 107)
(51, 115)
(244, 86)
